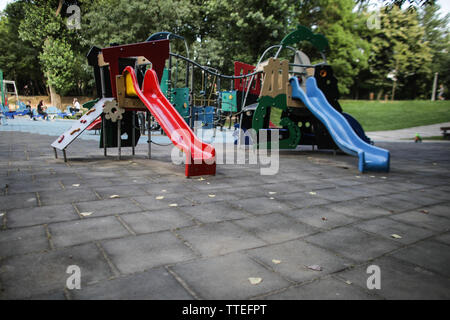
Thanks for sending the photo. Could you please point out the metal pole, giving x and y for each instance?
(104, 134)
(433, 93)
(133, 134)
(56, 154)
(119, 139)
(149, 135)
(65, 156)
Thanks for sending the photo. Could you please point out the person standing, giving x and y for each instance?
(28, 109)
(441, 92)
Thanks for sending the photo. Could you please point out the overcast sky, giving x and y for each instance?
(445, 5)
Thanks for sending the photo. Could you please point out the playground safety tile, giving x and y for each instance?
(26, 187)
(328, 288)
(122, 191)
(169, 200)
(90, 174)
(40, 215)
(38, 273)
(401, 280)
(54, 295)
(215, 239)
(301, 200)
(108, 207)
(170, 188)
(391, 204)
(295, 256)
(442, 210)
(23, 240)
(247, 192)
(418, 197)
(283, 188)
(445, 238)
(226, 277)
(359, 209)
(77, 183)
(323, 217)
(154, 284)
(337, 194)
(211, 196)
(158, 220)
(423, 220)
(386, 227)
(275, 227)
(17, 201)
(142, 252)
(428, 254)
(353, 243)
(66, 196)
(262, 205)
(86, 230)
(214, 212)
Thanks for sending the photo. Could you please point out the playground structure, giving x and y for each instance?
(133, 79)
(8, 87)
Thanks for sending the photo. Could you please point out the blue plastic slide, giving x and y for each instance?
(371, 158)
(357, 127)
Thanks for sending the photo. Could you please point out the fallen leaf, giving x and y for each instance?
(272, 198)
(348, 282)
(358, 176)
(85, 214)
(396, 236)
(114, 196)
(163, 190)
(276, 261)
(255, 281)
(383, 177)
(272, 192)
(201, 179)
(208, 183)
(424, 211)
(315, 267)
(2, 214)
(173, 205)
(76, 185)
(312, 193)
(159, 197)
(372, 176)
(211, 195)
(324, 218)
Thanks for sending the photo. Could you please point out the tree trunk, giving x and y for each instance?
(380, 93)
(55, 99)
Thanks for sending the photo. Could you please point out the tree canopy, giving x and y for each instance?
(394, 50)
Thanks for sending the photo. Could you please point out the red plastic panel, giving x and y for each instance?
(157, 52)
(241, 68)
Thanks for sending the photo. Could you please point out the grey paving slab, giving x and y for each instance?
(39, 273)
(154, 284)
(227, 277)
(139, 253)
(353, 243)
(261, 205)
(427, 254)
(66, 196)
(386, 227)
(324, 289)
(40, 215)
(18, 201)
(424, 220)
(301, 200)
(275, 227)
(122, 191)
(108, 207)
(215, 239)
(322, 217)
(295, 256)
(415, 197)
(400, 280)
(358, 209)
(445, 238)
(23, 240)
(391, 204)
(86, 230)
(336, 194)
(169, 200)
(158, 220)
(440, 210)
(28, 187)
(214, 212)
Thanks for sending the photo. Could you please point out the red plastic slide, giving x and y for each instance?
(200, 156)
(96, 125)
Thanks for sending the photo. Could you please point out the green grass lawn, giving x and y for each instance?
(391, 115)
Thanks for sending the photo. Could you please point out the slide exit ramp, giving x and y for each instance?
(371, 158)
